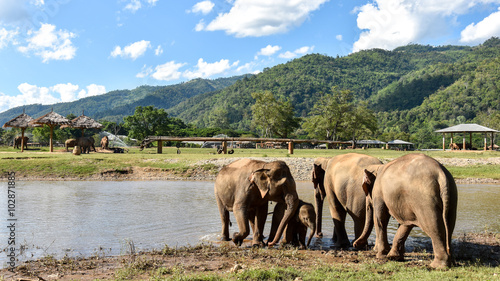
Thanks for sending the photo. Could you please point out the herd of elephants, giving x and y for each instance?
(414, 189)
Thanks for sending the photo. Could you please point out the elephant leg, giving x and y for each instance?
(433, 225)
(398, 245)
(260, 222)
(242, 219)
(302, 234)
(278, 213)
(224, 216)
(340, 238)
(381, 220)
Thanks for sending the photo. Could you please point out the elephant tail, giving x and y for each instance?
(449, 196)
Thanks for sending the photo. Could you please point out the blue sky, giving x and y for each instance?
(62, 50)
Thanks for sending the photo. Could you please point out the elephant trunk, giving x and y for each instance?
(313, 230)
(318, 208)
(362, 240)
(291, 207)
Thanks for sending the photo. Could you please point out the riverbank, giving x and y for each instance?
(477, 257)
(207, 169)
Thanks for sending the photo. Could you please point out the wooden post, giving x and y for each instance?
(485, 142)
(22, 139)
(470, 140)
(451, 137)
(290, 147)
(444, 141)
(51, 134)
(159, 149)
(463, 138)
(224, 147)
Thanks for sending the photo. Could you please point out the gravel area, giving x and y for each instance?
(301, 168)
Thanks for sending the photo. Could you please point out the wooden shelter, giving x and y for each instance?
(22, 121)
(467, 129)
(51, 119)
(83, 122)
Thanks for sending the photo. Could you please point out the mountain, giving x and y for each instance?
(114, 105)
(413, 89)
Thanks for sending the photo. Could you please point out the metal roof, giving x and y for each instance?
(370, 142)
(462, 128)
(399, 142)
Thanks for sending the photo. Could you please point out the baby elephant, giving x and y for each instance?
(296, 230)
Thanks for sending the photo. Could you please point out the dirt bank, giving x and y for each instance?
(226, 260)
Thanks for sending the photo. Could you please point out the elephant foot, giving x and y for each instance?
(341, 246)
(319, 235)
(439, 264)
(259, 244)
(360, 245)
(395, 257)
(225, 238)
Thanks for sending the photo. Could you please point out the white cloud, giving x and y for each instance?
(168, 71)
(388, 24)
(8, 37)
(298, 52)
(31, 94)
(205, 70)
(67, 91)
(262, 18)
(158, 50)
(200, 26)
(203, 7)
(268, 50)
(92, 90)
(339, 37)
(50, 44)
(132, 51)
(483, 30)
(145, 71)
(133, 6)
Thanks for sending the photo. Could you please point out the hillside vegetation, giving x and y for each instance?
(412, 90)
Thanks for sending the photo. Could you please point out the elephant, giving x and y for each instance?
(244, 187)
(17, 142)
(296, 230)
(70, 143)
(339, 179)
(416, 190)
(85, 143)
(104, 142)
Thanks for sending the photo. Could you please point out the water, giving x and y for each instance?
(83, 218)
(114, 140)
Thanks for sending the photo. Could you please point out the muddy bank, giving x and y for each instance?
(226, 260)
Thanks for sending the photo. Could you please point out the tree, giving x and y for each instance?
(147, 121)
(272, 116)
(329, 115)
(360, 122)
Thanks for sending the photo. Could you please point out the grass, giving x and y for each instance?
(41, 163)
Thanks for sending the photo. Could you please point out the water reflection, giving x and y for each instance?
(86, 218)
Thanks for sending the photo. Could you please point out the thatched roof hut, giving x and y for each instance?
(22, 121)
(83, 122)
(51, 119)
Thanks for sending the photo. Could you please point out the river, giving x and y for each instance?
(85, 218)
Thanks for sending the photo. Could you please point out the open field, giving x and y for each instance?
(204, 163)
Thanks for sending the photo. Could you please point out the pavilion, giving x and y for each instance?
(468, 128)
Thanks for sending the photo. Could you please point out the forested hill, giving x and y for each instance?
(413, 90)
(304, 79)
(114, 105)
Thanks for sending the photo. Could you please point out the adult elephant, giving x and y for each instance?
(339, 178)
(104, 142)
(85, 143)
(245, 187)
(70, 143)
(417, 191)
(18, 140)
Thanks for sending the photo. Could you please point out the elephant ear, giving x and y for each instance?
(368, 181)
(260, 179)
